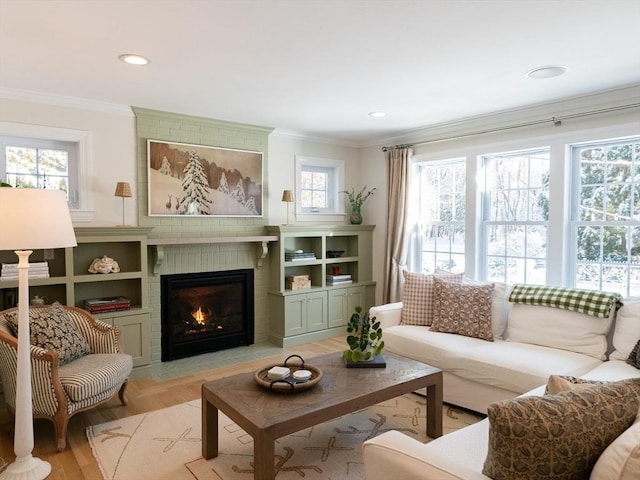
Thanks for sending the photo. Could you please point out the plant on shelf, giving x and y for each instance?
(364, 339)
(356, 201)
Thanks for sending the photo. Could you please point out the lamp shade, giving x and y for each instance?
(34, 219)
(287, 196)
(123, 189)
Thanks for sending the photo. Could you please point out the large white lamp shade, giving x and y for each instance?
(31, 219)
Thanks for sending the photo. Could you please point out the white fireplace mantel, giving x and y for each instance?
(158, 245)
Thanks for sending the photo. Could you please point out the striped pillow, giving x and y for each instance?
(418, 296)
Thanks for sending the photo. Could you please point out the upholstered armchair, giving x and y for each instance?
(76, 363)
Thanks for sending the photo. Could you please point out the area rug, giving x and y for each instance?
(166, 444)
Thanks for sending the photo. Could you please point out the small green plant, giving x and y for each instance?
(356, 200)
(364, 339)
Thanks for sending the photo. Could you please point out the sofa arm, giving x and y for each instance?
(396, 455)
(388, 315)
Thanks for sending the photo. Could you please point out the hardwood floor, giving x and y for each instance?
(76, 462)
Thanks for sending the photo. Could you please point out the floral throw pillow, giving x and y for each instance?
(51, 329)
(634, 356)
(558, 437)
(463, 309)
(417, 297)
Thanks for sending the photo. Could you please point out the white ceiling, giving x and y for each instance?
(319, 66)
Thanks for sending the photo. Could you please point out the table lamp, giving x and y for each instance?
(32, 219)
(123, 189)
(287, 196)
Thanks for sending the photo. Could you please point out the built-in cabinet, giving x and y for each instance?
(322, 310)
(70, 282)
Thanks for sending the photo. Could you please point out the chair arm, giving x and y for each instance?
(102, 337)
(48, 393)
(388, 315)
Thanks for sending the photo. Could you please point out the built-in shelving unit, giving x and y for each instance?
(322, 310)
(70, 282)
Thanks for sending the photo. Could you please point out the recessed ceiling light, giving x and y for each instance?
(377, 114)
(133, 59)
(548, 71)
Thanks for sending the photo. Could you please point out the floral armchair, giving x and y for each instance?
(76, 363)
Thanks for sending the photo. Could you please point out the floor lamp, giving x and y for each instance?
(31, 219)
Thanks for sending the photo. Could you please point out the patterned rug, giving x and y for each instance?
(166, 444)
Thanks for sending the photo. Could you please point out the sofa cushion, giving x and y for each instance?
(499, 304)
(51, 328)
(516, 367)
(627, 330)
(566, 383)
(634, 356)
(558, 436)
(462, 309)
(621, 459)
(558, 328)
(417, 297)
(94, 374)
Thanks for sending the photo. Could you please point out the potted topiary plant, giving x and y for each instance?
(364, 339)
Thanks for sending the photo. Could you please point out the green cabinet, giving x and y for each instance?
(71, 283)
(322, 310)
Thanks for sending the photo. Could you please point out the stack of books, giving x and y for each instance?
(338, 279)
(109, 304)
(10, 271)
(292, 256)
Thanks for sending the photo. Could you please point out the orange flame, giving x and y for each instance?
(199, 316)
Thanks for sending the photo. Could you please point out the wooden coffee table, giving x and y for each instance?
(267, 415)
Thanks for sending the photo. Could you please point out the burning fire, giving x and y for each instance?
(199, 316)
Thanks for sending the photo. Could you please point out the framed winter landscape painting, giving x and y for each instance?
(187, 179)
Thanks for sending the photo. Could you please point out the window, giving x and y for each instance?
(49, 157)
(441, 188)
(515, 215)
(36, 163)
(319, 182)
(606, 216)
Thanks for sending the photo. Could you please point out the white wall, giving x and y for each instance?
(283, 149)
(112, 150)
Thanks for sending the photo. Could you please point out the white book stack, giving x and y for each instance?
(339, 279)
(10, 271)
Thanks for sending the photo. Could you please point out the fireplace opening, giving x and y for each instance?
(205, 312)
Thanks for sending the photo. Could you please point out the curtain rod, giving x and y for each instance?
(557, 121)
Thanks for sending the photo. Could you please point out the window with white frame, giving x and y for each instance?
(606, 216)
(515, 208)
(318, 183)
(37, 163)
(440, 187)
(49, 157)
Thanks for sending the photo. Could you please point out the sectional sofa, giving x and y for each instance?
(508, 349)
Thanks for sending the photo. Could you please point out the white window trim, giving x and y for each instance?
(83, 139)
(338, 166)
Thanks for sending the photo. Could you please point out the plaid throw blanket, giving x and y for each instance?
(591, 302)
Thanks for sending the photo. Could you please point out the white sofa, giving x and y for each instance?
(477, 373)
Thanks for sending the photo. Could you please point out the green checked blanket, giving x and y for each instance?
(591, 302)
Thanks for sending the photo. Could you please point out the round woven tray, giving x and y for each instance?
(289, 384)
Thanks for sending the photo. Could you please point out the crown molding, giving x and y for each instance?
(311, 138)
(64, 101)
(629, 94)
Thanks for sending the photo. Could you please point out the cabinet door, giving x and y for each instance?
(356, 297)
(134, 336)
(338, 307)
(295, 313)
(317, 311)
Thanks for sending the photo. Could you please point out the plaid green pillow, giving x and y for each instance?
(590, 302)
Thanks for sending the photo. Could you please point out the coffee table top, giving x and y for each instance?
(341, 391)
